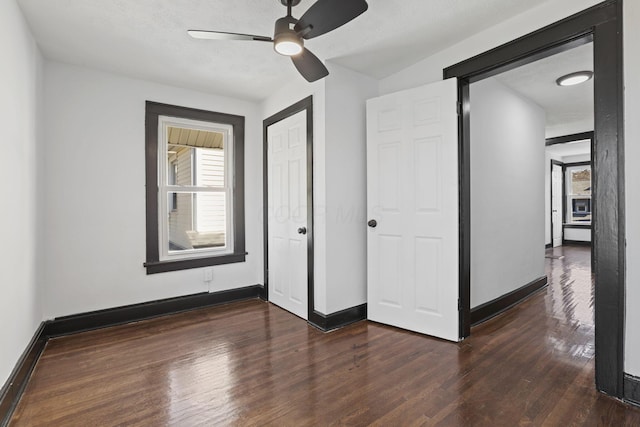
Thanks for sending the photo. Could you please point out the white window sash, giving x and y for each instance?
(164, 122)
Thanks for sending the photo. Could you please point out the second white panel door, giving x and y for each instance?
(287, 213)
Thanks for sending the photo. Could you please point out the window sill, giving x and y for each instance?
(154, 267)
(577, 225)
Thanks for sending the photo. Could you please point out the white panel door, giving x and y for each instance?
(287, 213)
(412, 193)
(556, 205)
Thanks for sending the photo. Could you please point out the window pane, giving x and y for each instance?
(209, 167)
(581, 209)
(195, 157)
(197, 220)
(581, 182)
(180, 166)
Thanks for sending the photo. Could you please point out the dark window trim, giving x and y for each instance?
(585, 163)
(601, 24)
(305, 104)
(153, 111)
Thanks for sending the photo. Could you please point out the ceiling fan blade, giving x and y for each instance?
(309, 66)
(327, 15)
(221, 35)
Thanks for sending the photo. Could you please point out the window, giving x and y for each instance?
(195, 188)
(578, 194)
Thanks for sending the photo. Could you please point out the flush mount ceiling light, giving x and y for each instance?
(574, 78)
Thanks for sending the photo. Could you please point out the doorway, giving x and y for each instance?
(288, 208)
(569, 186)
(601, 24)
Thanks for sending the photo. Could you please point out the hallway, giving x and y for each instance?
(251, 363)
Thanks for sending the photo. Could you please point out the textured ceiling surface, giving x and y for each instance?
(537, 81)
(147, 38)
(570, 149)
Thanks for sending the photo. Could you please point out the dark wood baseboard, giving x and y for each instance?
(14, 386)
(262, 293)
(492, 308)
(147, 310)
(548, 246)
(328, 322)
(576, 242)
(632, 389)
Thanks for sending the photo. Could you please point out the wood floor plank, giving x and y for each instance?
(253, 364)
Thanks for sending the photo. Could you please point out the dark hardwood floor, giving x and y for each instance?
(251, 363)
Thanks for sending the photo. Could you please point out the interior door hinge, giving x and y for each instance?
(459, 305)
(459, 108)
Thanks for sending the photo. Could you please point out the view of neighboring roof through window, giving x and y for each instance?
(195, 190)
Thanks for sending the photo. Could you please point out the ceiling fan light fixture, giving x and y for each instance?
(574, 78)
(285, 40)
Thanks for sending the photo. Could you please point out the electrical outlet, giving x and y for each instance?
(208, 275)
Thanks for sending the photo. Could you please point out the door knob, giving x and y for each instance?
(372, 223)
(302, 230)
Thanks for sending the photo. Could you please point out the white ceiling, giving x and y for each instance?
(147, 38)
(563, 105)
(570, 148)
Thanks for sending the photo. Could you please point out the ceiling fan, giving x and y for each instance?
(289, 35)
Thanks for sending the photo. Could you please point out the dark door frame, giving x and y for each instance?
(601, 24)
(305, 104)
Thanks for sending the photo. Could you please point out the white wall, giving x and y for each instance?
(95, 192)
(339, 182)
(20, 259)
(507, 185)
(577, 234)
(346, 208)
(632, 156)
